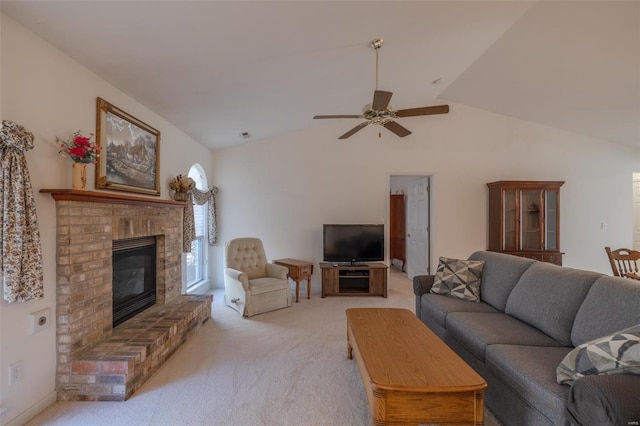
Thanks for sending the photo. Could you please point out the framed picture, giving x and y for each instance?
(130, 152)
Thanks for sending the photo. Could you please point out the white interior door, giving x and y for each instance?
(636, 211)
(418, 227)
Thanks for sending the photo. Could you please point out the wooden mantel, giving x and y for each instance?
(107, 197)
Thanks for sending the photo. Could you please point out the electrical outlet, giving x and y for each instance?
(39, 321)
(15, 372)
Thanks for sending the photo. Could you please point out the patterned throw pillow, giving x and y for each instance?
(618, 353)
(459, 278)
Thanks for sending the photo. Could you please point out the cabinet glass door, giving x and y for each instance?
(510, 220)
(531, 220)
(551, 210)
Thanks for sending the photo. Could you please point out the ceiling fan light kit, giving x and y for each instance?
(380, 112)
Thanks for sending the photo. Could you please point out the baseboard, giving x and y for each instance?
(32, 411)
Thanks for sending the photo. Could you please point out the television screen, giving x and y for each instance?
(353, 243)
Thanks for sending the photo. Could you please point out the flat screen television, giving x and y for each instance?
(353, 243)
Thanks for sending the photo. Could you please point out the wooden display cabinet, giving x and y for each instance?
(524, 219)
(354, 280)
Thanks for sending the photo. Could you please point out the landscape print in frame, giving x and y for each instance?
(130, 152)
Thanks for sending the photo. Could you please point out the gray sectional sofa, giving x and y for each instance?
(531, 315)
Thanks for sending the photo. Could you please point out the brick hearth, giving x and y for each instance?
(117, 366)
(96, 361)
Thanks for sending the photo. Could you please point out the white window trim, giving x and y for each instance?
(204, 284)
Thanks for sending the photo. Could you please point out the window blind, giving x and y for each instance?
(199, 219)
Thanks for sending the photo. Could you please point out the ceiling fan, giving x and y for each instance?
(380, 112)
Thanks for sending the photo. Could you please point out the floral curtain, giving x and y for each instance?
(189, 233)
(20, 250)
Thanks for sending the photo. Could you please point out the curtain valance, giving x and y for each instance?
(189, 233)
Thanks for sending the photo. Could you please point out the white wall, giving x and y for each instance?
(282, 190)
(399, 184)
(636, 211)
(51, 95)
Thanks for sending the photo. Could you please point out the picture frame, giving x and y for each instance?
(130, 152)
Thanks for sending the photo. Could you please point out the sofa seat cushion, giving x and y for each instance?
(500, 274)
(604, 311)
(476, 330)
(605, 400)
(529, 371)
(437, 307)
(548, 297)
(267, 284)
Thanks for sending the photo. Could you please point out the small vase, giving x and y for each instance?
(79, 180)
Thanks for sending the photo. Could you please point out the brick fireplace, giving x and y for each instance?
(95, 360)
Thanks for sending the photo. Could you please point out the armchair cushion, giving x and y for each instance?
(267, 284)
(247, 255)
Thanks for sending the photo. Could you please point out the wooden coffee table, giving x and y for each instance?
(409, 374)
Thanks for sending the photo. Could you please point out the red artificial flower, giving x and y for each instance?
(81, 140)
(78, 151)
(80, 148)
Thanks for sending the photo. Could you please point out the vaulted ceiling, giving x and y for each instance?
(217, 69)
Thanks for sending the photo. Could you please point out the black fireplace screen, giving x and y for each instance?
(134, 277)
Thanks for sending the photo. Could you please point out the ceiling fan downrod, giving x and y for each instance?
(377, 44)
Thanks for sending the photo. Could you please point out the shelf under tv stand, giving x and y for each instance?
(368, 279)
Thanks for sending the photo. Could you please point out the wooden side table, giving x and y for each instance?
(299, 270)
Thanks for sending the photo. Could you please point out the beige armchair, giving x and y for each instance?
(251, 284)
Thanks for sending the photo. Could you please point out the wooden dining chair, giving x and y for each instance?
(624, 262)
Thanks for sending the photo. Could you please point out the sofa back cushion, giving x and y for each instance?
(611, 304)
(548, 297)
(500, 274)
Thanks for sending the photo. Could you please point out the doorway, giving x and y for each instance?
(636, 211)
(416, 241)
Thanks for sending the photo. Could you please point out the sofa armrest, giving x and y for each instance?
(422, 284)
(605, 400)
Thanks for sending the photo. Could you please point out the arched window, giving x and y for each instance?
(197, 258)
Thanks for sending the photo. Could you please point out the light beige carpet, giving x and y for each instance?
(286, 367)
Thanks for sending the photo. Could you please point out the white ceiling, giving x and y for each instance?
(216, 69)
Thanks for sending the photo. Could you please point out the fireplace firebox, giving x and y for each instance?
(134, 277)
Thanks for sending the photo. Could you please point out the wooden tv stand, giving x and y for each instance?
(368, 279)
